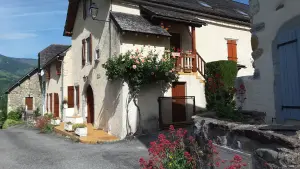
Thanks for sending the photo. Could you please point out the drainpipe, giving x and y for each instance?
(62, 86)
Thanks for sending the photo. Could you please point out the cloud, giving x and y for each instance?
(15, 36)
(36, 13)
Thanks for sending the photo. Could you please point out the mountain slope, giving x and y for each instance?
(11, 69)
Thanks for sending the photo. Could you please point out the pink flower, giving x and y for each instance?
(131, 56)
(143, 60)
(173, 69)
(137, 62)
(134, 66)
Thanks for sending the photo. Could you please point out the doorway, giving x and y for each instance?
(175, 42)
(29, 103)
(90, 105)
(178, 102)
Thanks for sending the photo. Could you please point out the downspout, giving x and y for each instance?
(62, 86)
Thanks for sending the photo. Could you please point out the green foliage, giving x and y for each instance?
(15, 115)
(48, 115)
(44, 125)
(48, 128)
(219, 88)
(11, 122)
(37, 112)
(75, 126)
(138, 70)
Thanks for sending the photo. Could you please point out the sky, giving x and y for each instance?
(29, 26)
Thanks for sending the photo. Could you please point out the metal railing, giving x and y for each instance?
(176, 111)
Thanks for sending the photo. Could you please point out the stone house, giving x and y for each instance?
(54, 76)
(212, 30)
(275, 87)
(25, 93)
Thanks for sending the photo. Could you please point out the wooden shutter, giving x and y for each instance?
(56, 105)
(77, 97)
(71, 96)
(84, 9)
(47, 108)
(232, 51)
(58, 68)
(51, 102)
(47, 73)
(90, 49)
(83, 53)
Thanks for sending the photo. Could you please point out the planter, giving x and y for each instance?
(82, 132)
(175, 54)
(68, 127)
(55, 122)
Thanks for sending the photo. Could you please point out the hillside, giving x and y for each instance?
(11, 69)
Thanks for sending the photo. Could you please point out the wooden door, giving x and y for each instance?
(29, 103)
(289, 59)
(178, 102)
(56, 105)
(90, 105)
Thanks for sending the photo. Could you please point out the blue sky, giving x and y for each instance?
(29, 26)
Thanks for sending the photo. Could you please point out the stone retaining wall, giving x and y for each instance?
(278, 146)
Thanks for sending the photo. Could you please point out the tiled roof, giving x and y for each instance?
(226, 10)
(172, 15)
(136, 23)
(46, 55)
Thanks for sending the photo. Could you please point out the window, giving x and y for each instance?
(97, 54)
(232, 51)
(87, 50)
(47, 73)
(204, 4)
(58, 67)
(70, 96)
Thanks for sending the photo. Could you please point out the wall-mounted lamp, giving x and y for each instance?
(85, 78)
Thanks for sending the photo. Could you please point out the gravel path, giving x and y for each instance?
(22, 148)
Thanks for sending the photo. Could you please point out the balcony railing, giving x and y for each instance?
(184, 62)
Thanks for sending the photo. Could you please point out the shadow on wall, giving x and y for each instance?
(109, 106)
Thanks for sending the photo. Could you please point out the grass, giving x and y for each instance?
(9, 123)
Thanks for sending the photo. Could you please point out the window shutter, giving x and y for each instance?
(47, 102)
(232, 51)
(83, 52)
(70, 96)
(77, 97)
(47, 73)
(91, 49)
(58, 68)
(51, 102)
(84, 9)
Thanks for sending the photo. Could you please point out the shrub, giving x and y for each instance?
(177, 151)
(219, 88)
(75, 126)
(3, 117)
(10, 122)
(37, 112)
(43, 124)
(15, 115)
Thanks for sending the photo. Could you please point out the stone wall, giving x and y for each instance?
(275, 146)
(28, 88)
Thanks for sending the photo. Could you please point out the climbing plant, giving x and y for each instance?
(138, 68)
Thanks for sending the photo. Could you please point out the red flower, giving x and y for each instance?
(242, 86)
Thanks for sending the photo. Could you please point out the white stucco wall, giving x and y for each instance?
(262, 89)
(211, 43)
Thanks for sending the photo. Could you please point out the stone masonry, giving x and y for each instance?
(30, 87)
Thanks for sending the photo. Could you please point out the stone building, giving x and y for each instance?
(26, 93)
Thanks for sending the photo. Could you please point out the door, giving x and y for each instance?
(178, 102)
(29, 103)
(175, 42)
(56, 105)
(51, 102)
(90, 105)
(288, 47)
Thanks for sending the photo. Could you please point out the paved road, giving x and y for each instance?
(22, 148)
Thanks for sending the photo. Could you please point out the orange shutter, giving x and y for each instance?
(47, 102)
(232, 51)
(91, 49)
(56, 105)
(83, 53)
(51, 102)
(71, 96)
(77, 96)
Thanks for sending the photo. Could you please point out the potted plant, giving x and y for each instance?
(80, 129)
(55, 121)
(65, 102)
(68, 126)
